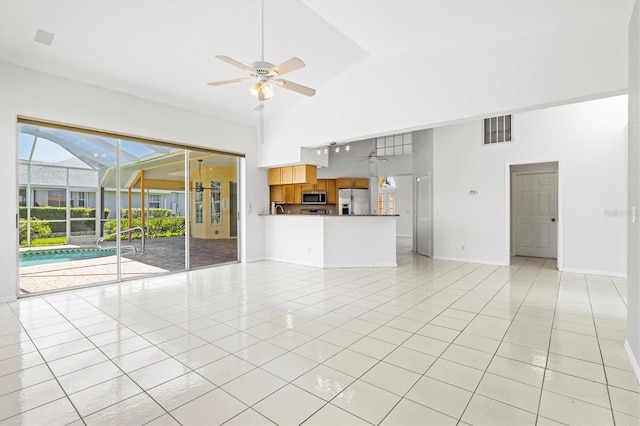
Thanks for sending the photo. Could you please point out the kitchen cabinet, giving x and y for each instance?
(332, 192)
(308, 187)
(275, 176)
(277, 194)
(319, 186)
(292, 194)
(359, 183)
(286, 175)
(285, 194)
(304, 173)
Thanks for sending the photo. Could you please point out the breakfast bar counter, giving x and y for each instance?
(331, 241)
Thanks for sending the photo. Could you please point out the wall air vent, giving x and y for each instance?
(497, 130)
(44, 37)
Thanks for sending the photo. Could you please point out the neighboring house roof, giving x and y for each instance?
(50, 176)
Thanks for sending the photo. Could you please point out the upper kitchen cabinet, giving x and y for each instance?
(304, 173)
(321, 185)
(275, 176)
(286, 175)
(358, 183)
(332, 192)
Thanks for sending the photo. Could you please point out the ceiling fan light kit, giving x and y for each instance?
(262, 90)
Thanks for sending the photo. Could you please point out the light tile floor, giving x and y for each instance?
(428, 342)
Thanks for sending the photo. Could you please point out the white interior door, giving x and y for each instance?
(423, 215)
(535, 209)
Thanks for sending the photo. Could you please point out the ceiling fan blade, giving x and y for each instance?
(295, 87)
(235, 80)
(288, 66)
(235, 63)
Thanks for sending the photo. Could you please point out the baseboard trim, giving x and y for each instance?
(632, 359)
(301, 263)
(363, 265)
(254, 259)
(459, 259)
(594, 272)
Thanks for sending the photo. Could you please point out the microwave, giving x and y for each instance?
(314, 198)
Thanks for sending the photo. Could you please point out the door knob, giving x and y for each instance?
(553, 219)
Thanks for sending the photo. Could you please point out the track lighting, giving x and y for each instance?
(332, 146)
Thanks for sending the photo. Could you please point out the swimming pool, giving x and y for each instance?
(43, 257)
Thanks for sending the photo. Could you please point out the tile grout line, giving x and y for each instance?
(338, 326)
(595, 327)
(50, 371)
(474, 392)
(546, 361)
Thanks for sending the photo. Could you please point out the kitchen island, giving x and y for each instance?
(331, 241)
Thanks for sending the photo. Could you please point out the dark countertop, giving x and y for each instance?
(330, 215)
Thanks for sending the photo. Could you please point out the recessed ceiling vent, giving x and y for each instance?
(44, 37)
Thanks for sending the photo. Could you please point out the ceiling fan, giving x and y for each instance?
(373, 157)
(265, 73)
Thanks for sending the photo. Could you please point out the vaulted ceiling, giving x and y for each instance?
(165, 50)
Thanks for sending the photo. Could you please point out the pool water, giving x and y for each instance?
(43, 257)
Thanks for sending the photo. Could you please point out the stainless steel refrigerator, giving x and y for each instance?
(353, 201)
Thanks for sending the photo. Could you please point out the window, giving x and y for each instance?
(198, 207)
(57, 198)
(216, 211)
(78, 199)
(154, 201)
(497, 130)
(394, 145)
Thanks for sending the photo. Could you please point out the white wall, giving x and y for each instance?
(633, 230)
(422, 148)
(588, 140)
(409, 90)
(352, 163)
(38, 95)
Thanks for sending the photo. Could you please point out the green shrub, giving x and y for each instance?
(60, 213)
(156, 228)
(150, 213)
(51, 241)
(39, 229)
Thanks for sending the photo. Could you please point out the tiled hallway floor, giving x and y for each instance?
(429, 342)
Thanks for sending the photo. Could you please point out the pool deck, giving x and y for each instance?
(161, 255)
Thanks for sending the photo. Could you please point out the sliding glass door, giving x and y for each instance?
(213, 205)
(95, 208)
